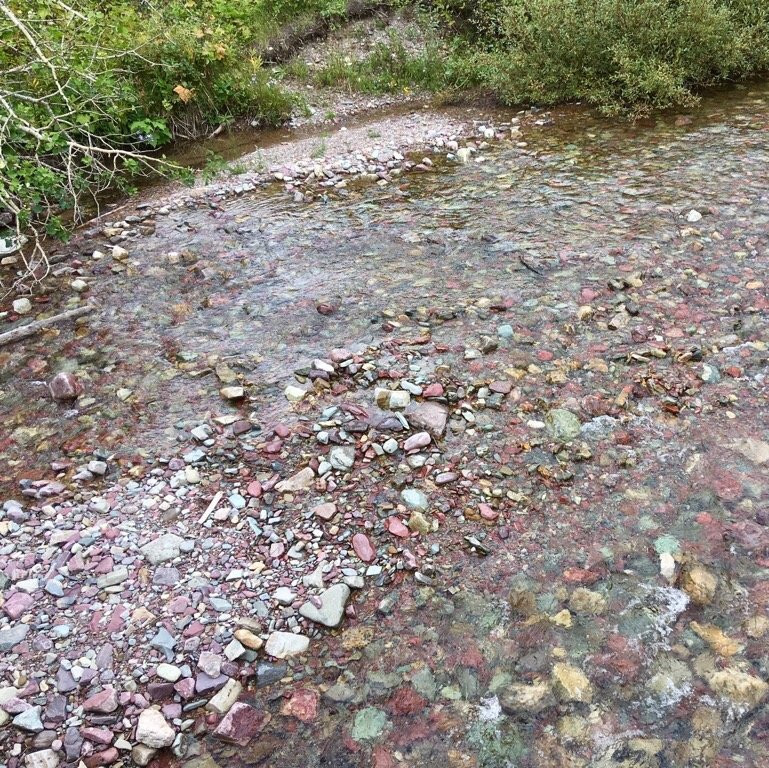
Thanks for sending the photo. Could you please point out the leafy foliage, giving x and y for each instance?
(621, 55)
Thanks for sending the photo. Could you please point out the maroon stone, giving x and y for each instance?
(64, 386)
(104, 702)
(241, 724)
(17, 604)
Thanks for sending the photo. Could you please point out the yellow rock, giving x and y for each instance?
(571, 684)
(722, 644)
(562, 618)
(357, 637)
(756, 626)
(699, 583)
(739, 686)
(248, 639)
(587, 601)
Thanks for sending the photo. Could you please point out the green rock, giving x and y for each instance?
(667, 543)
(562, 425)
(369, 724)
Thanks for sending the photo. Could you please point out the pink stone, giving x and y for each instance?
(281, 430)
(185, 688)
(487, 512)
(340, 354)
(430, 416)
(419, 440)
(64, 386)
(397, 528)
(17, 604)
(363, 548)
(97, 735)
(303, 705)
(325, 511)
(501, 387)
(433, 390)
(241, 724)
(277, 549)
(103, 702)
(254, 488)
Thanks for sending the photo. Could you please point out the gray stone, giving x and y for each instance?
(165, 547)
(562, 425)
(13, 636)
(333, 602)
(29, 720)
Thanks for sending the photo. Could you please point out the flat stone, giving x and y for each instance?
(562, 425)
(363, 548)
(300, 481)
(419, 440)
(113, 578)
(525, 700)
(247, 638)
(17, 604)
(325, 511)
(415, 499)
(29, 720)
(153, 729)
(428, 416)
(283, 645)
(333, 602)
(12, 636)
(103, 702)
(241, 724)
(164, 548)
(342, 457)
(45, 758)
(571, 684)
(169, 672)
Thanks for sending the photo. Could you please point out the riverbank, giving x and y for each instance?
(451, 465)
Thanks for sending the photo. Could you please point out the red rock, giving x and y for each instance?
(97, 735)
(396, 527)
(501, 387)
(487, 512)
(65, 386)
(185, 688)
(241, 427)
(107, 757)
(104, 702)
(281, 430)
(433, 390)
(363, 548)
(406, 701)
(382, 758)
(17, 604)
(254, 489)
(303, 705)
(241, 724)
(430, 416)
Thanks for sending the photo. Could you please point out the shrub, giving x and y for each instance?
(618, 54)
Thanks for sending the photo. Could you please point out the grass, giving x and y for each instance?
(389, 68)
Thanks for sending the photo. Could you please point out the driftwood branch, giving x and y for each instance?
(30, 329)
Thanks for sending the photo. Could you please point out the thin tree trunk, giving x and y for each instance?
(30, 329)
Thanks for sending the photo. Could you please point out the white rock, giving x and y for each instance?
(45, 758)
(281, 645)
(222, 701)
(153, 730)
(22, 307)
(693, 216)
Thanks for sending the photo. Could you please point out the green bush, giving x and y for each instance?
(618, 54)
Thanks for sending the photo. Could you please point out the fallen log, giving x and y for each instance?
(30, 329)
